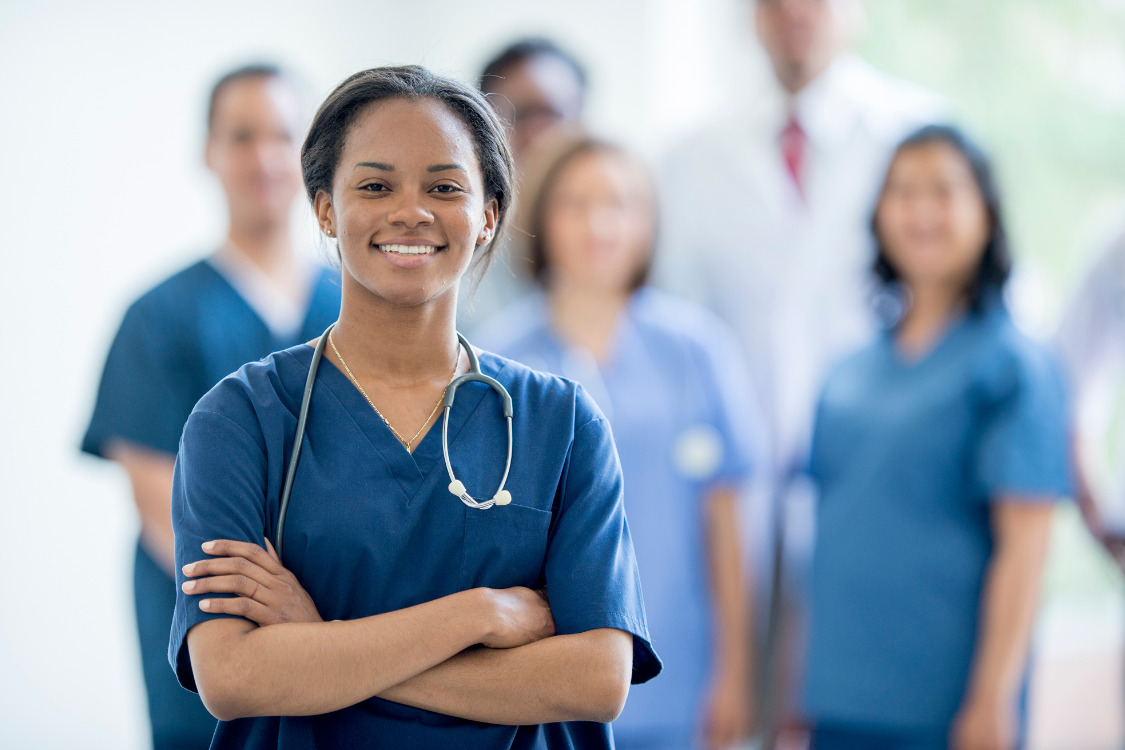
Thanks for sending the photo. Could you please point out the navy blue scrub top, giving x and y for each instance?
(909, 456)
(372, 528)
(178, 340)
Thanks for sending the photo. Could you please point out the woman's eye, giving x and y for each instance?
(374, 187)
(446, 189)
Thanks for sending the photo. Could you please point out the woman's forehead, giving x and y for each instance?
(410, 133)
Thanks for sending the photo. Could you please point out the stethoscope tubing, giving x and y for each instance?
(455, 486)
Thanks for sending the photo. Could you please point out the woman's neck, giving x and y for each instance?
(585, 317)
(932, 307)
(401, 346)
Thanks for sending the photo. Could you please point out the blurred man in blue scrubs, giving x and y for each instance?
(255, 294)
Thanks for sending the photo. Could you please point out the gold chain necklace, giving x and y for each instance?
(408, 443)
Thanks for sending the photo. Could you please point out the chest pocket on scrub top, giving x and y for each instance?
(504, 546)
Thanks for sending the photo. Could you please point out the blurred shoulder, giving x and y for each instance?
(538, 396)
(260, 391)
(516, 328)
(678, 321)
(890, 105)
(177, 292)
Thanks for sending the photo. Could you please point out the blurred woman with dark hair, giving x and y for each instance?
(667, 375)
(940, 451)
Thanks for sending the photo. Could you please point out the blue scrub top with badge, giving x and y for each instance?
(372, 528)
(677, 396)
(909, 456)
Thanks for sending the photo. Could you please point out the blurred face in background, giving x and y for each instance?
(253, 146)
(598, 222)
(801, 37)
(534, 96)
(932, 218)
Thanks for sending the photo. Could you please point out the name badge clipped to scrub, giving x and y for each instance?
(698, 452)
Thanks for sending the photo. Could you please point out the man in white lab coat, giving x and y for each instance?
(769, 210)
(767, 222)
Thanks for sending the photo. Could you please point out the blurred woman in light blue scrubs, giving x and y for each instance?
(667, 375)
(940, 451)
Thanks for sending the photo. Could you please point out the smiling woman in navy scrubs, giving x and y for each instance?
(940, 451)
(401, 617)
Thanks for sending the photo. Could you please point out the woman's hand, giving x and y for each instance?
(519, 616)
(266, 592)
(984, 725)
(728, 712)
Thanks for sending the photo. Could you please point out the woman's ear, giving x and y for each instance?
(491, 218)
(325, 217)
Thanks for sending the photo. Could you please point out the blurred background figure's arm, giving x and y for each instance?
(150, 474)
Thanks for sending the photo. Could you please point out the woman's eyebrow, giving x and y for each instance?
(376, 165)
(444, 167)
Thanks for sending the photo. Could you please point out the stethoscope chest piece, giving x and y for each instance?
(456, 486)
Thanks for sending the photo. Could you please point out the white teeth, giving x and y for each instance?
(409, 249)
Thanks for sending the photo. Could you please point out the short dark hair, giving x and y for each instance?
(996, 261)
(525, 49)
(321, 151)
(252, 70)
(549, 168)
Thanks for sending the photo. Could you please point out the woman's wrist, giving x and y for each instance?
(477, 606)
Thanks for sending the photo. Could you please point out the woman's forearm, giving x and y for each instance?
(1009, 602)
(295, 669)
(729, 588)
(581, 677)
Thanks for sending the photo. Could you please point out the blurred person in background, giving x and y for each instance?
(534, 85)
(254, 295)
(1091, 341)
(939, 452)
(669, 377)
(766, 224)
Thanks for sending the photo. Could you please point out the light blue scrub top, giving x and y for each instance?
(909, 456)
(677, 396)
(372, 528)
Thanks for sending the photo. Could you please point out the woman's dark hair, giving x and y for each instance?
(526, 49)
(996, 261)
(545, 173)
(320, 154)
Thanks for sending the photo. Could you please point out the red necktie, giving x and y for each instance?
(793, 142)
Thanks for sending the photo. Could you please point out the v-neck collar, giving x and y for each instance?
(311, 300)
(412, 471)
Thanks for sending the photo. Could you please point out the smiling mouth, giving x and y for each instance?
(409, 249)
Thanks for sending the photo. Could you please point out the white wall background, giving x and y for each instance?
(102, 193)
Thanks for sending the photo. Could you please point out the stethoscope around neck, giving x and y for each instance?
(456, 486)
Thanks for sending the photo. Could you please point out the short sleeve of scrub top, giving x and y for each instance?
(1022, 451)
(146, 390)
(373, 529)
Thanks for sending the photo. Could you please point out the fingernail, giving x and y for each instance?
(205, 604)
(188, 586)
(208, 546)
(188, 568)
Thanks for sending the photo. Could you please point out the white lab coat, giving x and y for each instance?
(790, 275)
